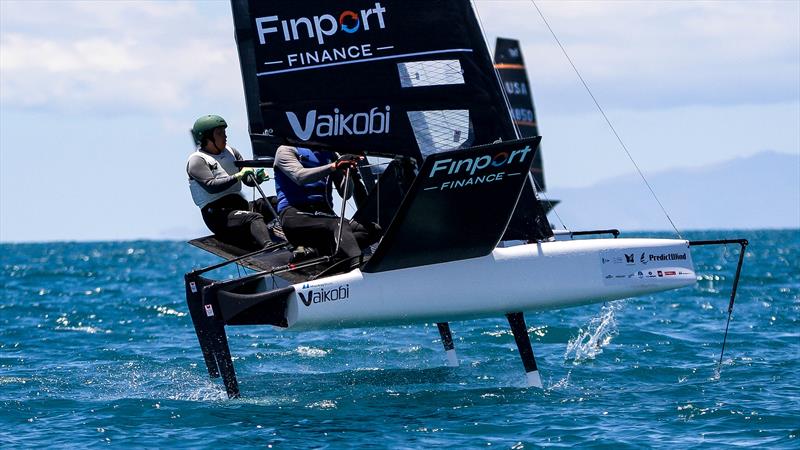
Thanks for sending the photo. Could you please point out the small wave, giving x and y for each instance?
(540, 331)
(411, 349)
(562, 383)
(205, 392)
(323, 404)
(165, 311)
(14, 380)
(83, 329)
(311, 352)
(601, 330)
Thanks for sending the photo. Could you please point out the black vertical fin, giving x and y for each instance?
(520, 331)
(219, 341)
(202, 324)
(447, 342)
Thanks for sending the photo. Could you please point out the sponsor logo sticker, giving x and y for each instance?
(319, 27)
(645, 266)
(340, 123)
(309, 38)
(668, 257)
(473, 170)
(323, 295)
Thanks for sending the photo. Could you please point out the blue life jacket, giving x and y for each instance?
(316, 193)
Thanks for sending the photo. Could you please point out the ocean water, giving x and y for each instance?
(97, 349)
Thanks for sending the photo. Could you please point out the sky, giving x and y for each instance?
(97, 97)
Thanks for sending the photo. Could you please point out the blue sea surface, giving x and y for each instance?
(97, 348)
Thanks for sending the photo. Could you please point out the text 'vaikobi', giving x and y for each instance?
(323, 295)
(340, 123)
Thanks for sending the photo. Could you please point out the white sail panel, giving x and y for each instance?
(430, 73)
(438, 131)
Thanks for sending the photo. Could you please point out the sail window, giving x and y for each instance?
(438, 131)
(430, 73)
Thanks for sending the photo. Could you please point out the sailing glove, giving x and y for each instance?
(244, 173)
(346, 162)
(261, 175)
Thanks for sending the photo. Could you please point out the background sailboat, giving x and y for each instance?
(510, 66)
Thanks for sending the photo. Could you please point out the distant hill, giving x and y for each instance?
(760, 191)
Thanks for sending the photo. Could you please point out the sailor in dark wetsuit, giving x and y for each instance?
(305, 203)
(216, 183)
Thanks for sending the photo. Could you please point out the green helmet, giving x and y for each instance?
(205, 125)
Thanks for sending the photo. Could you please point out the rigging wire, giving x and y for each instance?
(538, 189)
(608, 121)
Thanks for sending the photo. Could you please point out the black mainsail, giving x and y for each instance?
(400, 79)
(368, 77)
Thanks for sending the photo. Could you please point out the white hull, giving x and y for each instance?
(530, 277)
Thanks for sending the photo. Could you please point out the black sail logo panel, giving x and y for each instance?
(511, 68)
(458, 207)
(386, 78)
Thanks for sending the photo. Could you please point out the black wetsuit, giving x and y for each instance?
(305, 205)
(228, 215)
(232, 220)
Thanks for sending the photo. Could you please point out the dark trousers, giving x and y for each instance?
(232, 220)
(319, 228)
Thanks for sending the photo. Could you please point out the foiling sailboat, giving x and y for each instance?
(466, 236)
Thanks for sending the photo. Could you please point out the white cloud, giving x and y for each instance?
(658, 54)
(154, 57)
(114, 58)
(22, 54)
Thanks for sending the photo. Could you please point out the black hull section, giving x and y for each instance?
(260, 308)
(213, 305)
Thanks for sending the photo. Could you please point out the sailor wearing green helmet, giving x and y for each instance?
(216, 183)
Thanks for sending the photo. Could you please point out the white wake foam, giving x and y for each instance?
(598, 333)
